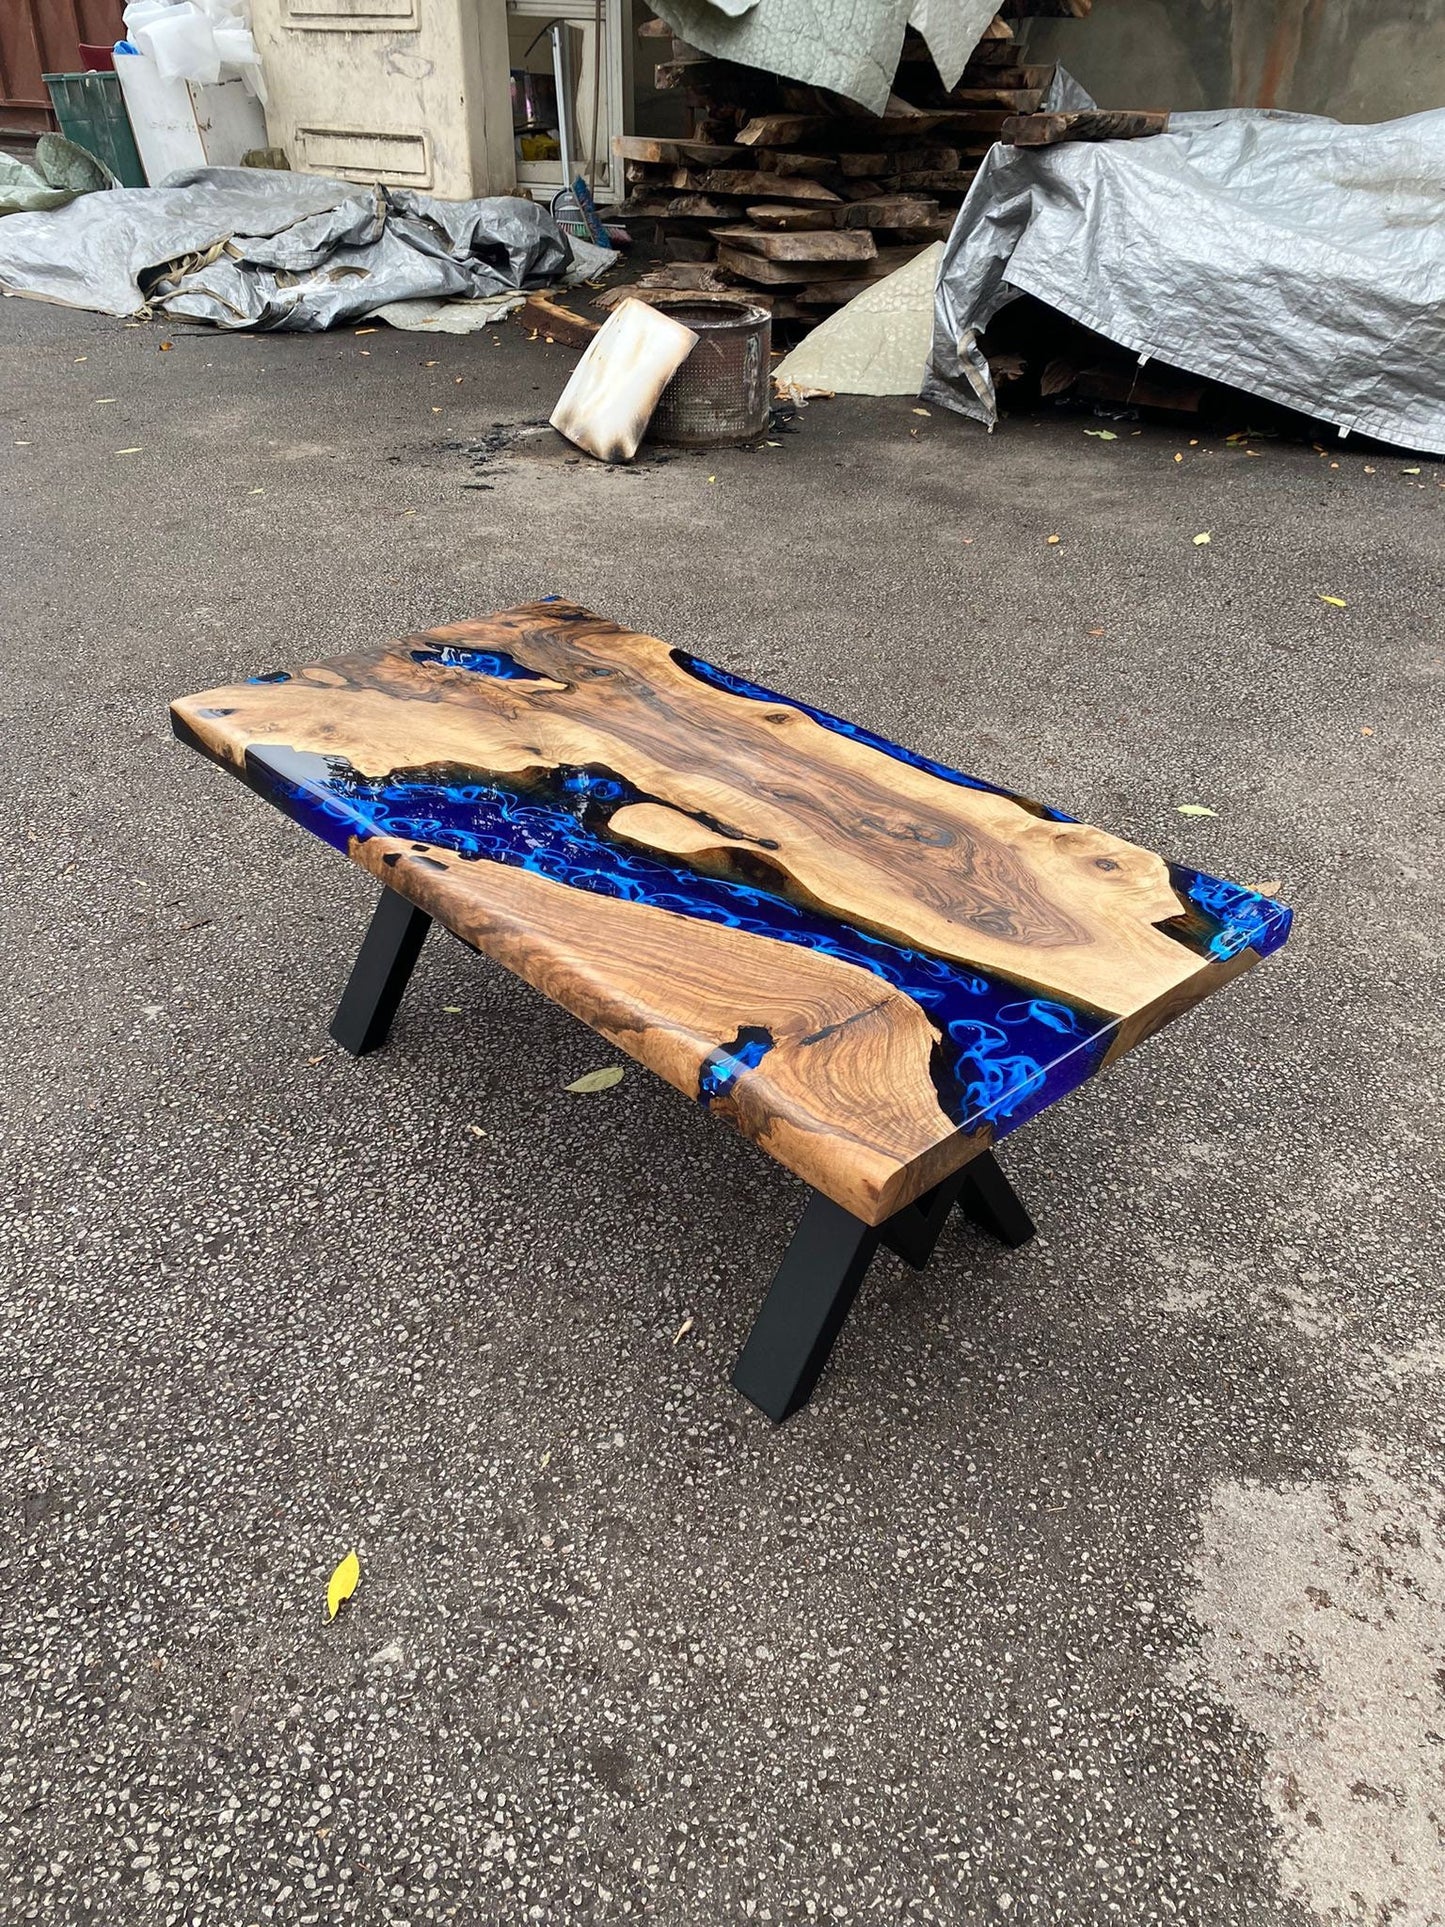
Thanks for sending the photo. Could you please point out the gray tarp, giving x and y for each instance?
(61, 172)
(1288, 255)
(851, 46)
(263, 249)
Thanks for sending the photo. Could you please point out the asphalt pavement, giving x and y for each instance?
(1102, 1582)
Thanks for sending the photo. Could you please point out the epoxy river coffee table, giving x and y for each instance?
(870, 964)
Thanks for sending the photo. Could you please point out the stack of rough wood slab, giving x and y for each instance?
(803, 198)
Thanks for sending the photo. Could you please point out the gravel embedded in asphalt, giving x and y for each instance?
(1018, 1620)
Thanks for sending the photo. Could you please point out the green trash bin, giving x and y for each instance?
(91, 112)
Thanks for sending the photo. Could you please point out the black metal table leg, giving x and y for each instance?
(815, 1285)
(988, 1200)
(915, 1230)
(804, 1310)
(380, 974)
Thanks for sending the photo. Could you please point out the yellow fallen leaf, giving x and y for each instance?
(256, 491)
(451, 1010)
(1335, 601)
(1202, 539)
(546, 1459)
(366, 331)
(342, 1584)
(602, 1080)
(924, 411)
(712, 478)
(1054, 540)
(682, 1331)
(1195, 809)
(476, 1130)
(1179, 458)
(1409, 471)
(129, 451)
(1365, 730)
(1102, 434)
(104, 401)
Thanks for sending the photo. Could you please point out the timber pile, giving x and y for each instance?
(800, 197)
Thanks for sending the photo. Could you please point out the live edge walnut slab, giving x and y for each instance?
(872, 965)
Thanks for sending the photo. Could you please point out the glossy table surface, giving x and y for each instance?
(871, 964)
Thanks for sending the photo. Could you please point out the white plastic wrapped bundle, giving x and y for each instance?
(197, 40)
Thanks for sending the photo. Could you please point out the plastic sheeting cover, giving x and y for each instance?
(877, 344)
(61, 172)
(263, 249)
(850, 46)
(1291, 256)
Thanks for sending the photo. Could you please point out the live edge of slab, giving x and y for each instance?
(872, 965)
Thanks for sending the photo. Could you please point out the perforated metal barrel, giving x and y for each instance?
(720, 393)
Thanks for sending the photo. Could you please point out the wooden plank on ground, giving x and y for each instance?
(755, 267)
(924, 160)
(760, 186)
(798, 220)
(893, 210)
(998, 74)
(993, 53)
(858, 246)
(796, 167)
(974, 120)
(672, 153)
(1017, 100)
(659, 295)
(1047, 130)
(949, 181)
(546, 316)
(783, 130)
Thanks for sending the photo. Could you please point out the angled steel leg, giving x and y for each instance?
(988, 1200)
(822, 1269)
(804, 1310)
(916, 1229)
(380, 974)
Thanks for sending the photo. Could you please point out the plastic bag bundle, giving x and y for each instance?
(200, 40)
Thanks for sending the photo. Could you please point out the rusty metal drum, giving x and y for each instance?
(721, 393)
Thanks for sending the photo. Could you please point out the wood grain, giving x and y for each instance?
(1048, 130)
(835, 1028)
(730, 795)
(857, 246)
